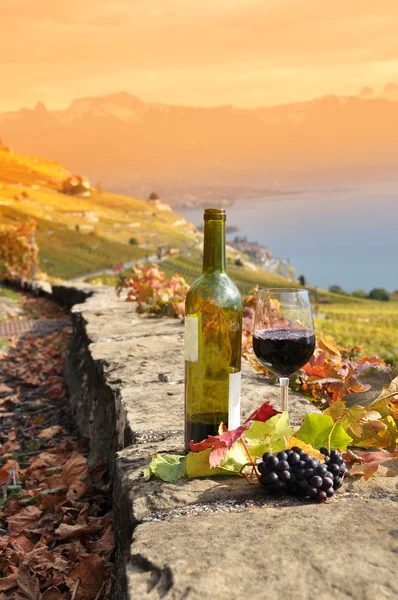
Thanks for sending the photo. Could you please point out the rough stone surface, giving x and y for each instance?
(342, 550)
(218, 537)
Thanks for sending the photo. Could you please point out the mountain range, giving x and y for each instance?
(121, 140)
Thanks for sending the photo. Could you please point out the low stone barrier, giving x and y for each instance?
(216, 537)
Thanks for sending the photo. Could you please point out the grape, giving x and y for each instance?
(311, 491)
(333, 468)
(316, 481)
(263, 479)
(261, 467)
(321, 470)
(285, 476)
(296, 472)
(294, 458)
(309, 473)
(327, 483)
(282, 466)
(266, 456)
(272, 462)
(337, 482)
(271, 478)
(302, 486)
(324, 451)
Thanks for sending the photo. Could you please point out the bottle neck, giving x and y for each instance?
(214, 246)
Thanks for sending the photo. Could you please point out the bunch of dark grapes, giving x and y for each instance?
(296, 472)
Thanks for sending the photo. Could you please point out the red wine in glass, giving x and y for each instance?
(283, 351)
(283, 335)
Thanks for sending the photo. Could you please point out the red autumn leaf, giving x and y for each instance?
(265, 412)
(219, 443)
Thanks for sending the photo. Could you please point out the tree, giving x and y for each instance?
(359, 294)
(133, 241)
(336, 289)
(153, 196)
(379, 294)
(302, 280)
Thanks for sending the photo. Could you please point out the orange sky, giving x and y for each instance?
(203, 52)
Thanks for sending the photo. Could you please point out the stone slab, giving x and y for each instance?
(332, 551)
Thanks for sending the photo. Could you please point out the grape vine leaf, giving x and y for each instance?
(265, 412)
(168, 467)
(371, 462)
(350, 418)
(319, 430)
(268, 436)
(219, 444)
(198, 464)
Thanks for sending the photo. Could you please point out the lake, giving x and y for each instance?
(348, 238)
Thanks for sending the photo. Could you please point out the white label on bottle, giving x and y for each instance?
(234, 400)
(191, 335)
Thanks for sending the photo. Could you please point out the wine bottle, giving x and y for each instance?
(213, 340)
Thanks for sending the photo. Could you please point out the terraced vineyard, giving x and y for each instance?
(371, 324)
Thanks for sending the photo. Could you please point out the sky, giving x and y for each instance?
(195, 52)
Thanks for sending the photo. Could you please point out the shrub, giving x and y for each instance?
(133, 241)
(336, 289)
(359, 294)
(379, 294)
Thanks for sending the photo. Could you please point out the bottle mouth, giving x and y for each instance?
(214, 214)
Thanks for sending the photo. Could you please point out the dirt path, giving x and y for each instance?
(56, 535)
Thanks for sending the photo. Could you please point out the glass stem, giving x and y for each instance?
(284, 383)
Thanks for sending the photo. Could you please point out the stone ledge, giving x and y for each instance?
(125, 378)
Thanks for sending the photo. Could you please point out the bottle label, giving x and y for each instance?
(234, 400)
(191, 339)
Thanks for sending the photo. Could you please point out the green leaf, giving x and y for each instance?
(168, 467)
(269, 436)
(198, 462)
(317, 428)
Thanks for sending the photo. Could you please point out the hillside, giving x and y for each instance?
(79, 235)
(222, 146)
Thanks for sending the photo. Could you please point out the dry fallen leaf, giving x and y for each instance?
(50, 432)
(74, 471)
(29, 583)
(105, 545)
(91, 573)
(25, 519)
(9, 581)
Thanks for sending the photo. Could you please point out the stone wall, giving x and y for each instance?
(218, 537)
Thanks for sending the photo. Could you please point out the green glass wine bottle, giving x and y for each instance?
(213, 340)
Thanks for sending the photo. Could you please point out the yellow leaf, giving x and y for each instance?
(292, 441)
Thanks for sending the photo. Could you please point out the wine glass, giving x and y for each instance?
(283, 336)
